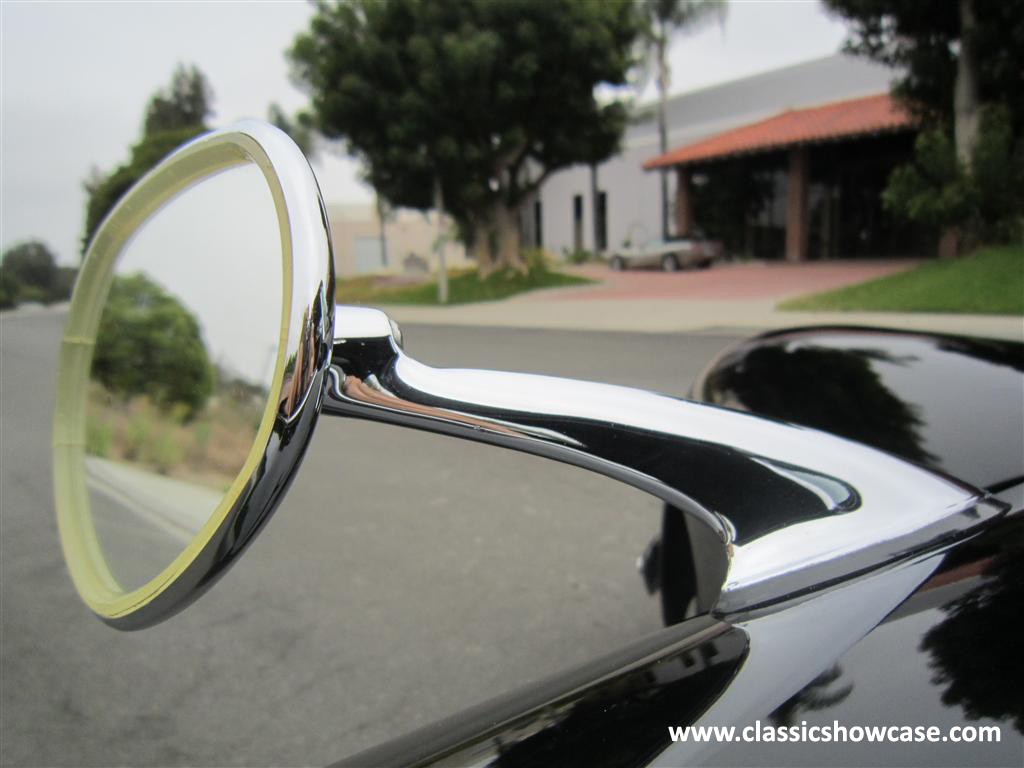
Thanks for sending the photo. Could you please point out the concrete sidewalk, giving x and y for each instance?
(688, 315)
(730, 298)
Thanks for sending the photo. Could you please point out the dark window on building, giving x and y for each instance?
(538, 224)
(742, 202)
(577, 222)
(846, 215)
(602, 221)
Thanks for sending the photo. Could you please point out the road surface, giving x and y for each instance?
(405, 577)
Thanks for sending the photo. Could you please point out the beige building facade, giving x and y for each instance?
(408, 246)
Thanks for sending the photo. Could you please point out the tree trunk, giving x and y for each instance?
(442, 269)
(593, 206)
(965, 95)
(949, 243)
(481, 250)
(508, 254)
(496, 243)
(965, 113)
(663, 76)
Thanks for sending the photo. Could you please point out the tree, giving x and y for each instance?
(298, 127)
(660, 21)
(487, 97)
(172, 117)
(961, 63)
(30, 264)
(8, 291)
(184, 104)
(29, 272)
(149, 344)
(985, 202)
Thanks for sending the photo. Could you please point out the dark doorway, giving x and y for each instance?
(538, 224)
(577, 222)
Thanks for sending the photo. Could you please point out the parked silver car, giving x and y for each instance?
(670, 256)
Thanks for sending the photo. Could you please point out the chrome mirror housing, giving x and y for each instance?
(786, 510)
(297, 338)
(783, 511)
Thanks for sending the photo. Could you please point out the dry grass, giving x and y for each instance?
(208, 450)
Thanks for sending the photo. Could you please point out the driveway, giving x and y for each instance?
(725, 282)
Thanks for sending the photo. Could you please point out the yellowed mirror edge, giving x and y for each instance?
(86, 563)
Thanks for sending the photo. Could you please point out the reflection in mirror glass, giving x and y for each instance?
(183, 363)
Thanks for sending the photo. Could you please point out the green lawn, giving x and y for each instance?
(464, 287)
(988, 282)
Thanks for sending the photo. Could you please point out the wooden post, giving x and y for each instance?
(684, 204)
(796, 206)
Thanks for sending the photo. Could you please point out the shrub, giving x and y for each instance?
(200, 441)
(97, 438)
(580, 256)
(536, 259)
(63, 283)
(149, 344)
(137, 432)
(163, 452)
(31, 264)
(8, 290)
(32, 294)
(936, 190)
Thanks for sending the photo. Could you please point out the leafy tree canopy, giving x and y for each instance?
(934, 190)
(29, 272)
(487, 96)
(185, 103)
(961, 65)
(149, 344)
(299, 128)
(923, 39)
(172, 117)
(30, 263)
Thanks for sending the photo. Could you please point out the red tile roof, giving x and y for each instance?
(841, 119)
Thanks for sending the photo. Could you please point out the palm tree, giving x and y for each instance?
(660, 20)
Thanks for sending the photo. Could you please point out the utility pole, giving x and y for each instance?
(442, 270)
(383, 234)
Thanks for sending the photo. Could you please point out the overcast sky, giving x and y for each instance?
(76, 77)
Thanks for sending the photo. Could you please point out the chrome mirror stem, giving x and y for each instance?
(794, 509)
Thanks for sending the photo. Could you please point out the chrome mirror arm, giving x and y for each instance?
(794, 509)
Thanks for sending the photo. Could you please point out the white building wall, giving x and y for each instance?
(411, 235)
(632, 202)
(634, 194)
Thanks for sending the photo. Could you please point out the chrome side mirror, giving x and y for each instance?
(782, 511)
(191, 370)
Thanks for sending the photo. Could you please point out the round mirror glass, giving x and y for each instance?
(182, 368)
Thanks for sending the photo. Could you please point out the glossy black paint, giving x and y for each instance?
(611, 711)
(950, 655)
(952, 403)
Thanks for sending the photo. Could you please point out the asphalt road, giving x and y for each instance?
(405, 577)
